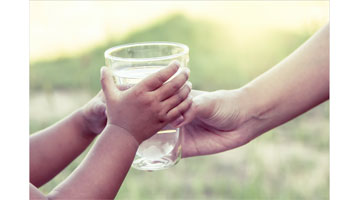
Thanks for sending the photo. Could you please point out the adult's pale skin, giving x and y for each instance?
(132, 116)
(226, 119)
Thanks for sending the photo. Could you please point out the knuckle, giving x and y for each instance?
(158, 76)
(175, 86)
(181, 96)
(138, 92)
(145, 100)
(141, 97)
(157, 97)
(177, 113)
(161, 77)
(162, 117)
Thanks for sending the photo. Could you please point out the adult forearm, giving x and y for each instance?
(297, 84)
(102, 172)
(52, 149)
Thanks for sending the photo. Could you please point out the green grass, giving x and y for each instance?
(215, 62)
(289, 162)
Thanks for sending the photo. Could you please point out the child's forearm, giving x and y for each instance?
(103, 170)
(52, 149)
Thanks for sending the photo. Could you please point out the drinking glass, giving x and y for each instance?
(130, 64)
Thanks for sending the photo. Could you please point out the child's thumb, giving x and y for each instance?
(107, 83)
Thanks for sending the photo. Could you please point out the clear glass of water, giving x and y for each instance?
(131, 63)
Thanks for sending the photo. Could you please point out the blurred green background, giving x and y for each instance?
(228, 48)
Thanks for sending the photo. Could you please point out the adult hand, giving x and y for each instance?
(216, 123)
(222, 120)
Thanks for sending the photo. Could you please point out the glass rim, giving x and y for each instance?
(185, 50)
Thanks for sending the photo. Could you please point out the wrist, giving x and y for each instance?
(255, 104)
(83, 124)
(258, 109)
(127, 134)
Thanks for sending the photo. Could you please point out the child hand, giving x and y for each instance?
(93, 113)
(148, 106)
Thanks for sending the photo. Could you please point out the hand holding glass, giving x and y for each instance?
(131, 63)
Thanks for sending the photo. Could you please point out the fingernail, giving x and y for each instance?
(187, 70)
(176, 63)
(189, 84)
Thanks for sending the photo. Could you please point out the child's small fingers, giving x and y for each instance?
(177, 98)
(107, 83)
(179, 110)
(188, 116)
(99, 108)
(177, 121)
(156, 80)
(172, 86)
